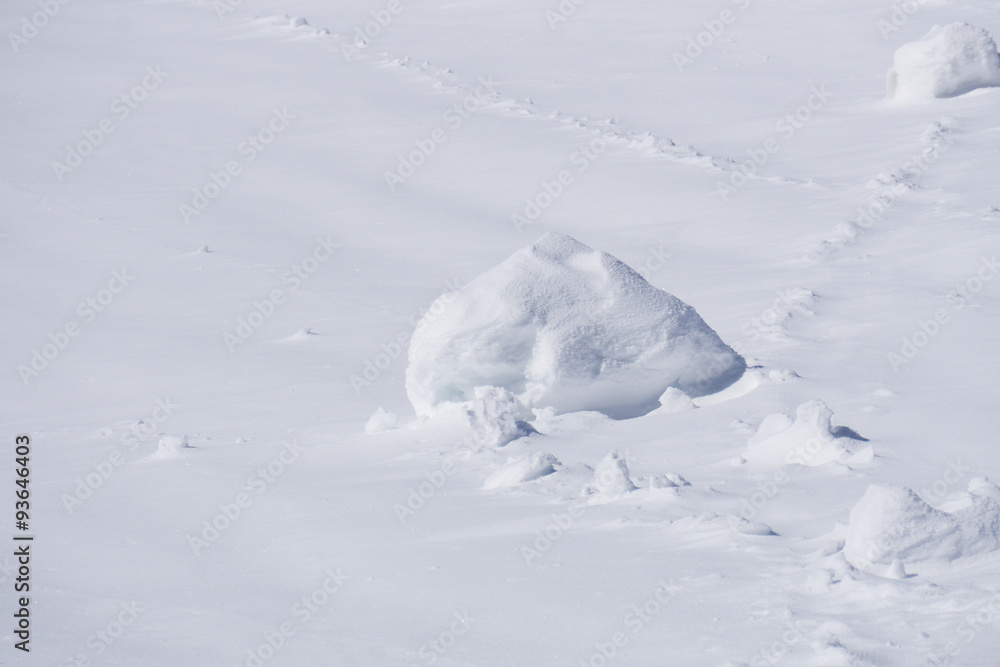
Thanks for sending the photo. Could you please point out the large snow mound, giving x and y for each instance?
(947, 61)
(561, 325)
(893, 524)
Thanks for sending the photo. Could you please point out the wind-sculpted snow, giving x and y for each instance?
(892, 524)
(561, 325)
(947, 61)
(808, 440)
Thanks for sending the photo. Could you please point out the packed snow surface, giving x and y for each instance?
(561, 325)
(949, 60)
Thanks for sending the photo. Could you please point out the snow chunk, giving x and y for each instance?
(892, 523)
(381, 420)
(170, 447)
(494, 415)
(984, 488)
(675, 400)
(611, 476)
(561, 325)
(808, 440)
(522, 470)
(946, 62)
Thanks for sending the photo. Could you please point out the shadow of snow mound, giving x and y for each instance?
(947, 61)
(561, 325)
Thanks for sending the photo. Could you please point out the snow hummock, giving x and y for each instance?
(947, 61)
(675, 400)
(810, 439)
(984, 488)
(611, 477)
(893, 523)
(561, 325)
(169, 447)
(522, 470)
(381, 420)
(496, 416)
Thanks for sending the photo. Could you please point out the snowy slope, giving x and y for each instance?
(244, 251)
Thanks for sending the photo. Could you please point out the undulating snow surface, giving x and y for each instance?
(238, 237)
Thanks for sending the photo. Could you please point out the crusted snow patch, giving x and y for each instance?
(810, 439)
(947, 61)
(561, 325)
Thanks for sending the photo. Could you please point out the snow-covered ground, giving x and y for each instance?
(223, 220)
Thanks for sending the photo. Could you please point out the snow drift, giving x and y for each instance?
(892, 525)
(947, 61)
(561, 325)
